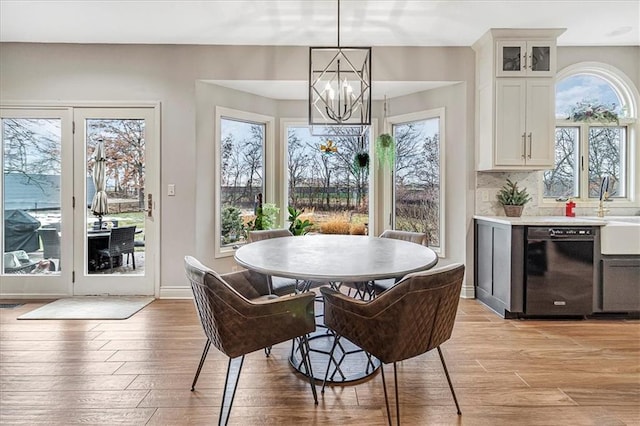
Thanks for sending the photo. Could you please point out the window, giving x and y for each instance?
(241, 152)
(418, 188)
(592, 138)
(329, 184)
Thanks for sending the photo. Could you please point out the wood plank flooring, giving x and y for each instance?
(139, 371)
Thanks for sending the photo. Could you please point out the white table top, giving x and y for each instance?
(335, 257)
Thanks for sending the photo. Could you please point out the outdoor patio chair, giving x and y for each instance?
(120, 243)
(50, 243)
(239, 316)
(411, 318)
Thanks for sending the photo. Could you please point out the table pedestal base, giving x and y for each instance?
(349, 362)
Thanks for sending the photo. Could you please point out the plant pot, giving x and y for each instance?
(513, 211)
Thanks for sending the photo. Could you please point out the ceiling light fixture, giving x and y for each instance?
(339, 86)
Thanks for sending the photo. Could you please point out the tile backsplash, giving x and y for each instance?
(489, 183)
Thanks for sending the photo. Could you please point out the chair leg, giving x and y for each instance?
(230, 384)
(386, 397)
(202, 358)
(267, 351)
(307, 365)
(446, 373)
(133, 259)
(395, 379)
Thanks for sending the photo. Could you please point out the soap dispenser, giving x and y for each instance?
(569, 208)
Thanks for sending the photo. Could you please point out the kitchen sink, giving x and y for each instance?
(621, 235)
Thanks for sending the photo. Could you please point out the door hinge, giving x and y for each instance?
(73, 202)
(73, 127)
(73, 276)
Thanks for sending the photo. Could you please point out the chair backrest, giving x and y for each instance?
(121, 240)
(50, 243)
(409, 319)
(413, 237)
(267, 234)
(233, 323)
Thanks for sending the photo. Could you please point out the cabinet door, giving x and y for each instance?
(510, 58)
(540, 123)
(541, 59)
(532, 58)
(510, 122)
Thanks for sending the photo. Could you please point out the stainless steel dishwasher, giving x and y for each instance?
(559, 271)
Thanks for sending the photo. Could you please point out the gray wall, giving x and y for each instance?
(173, 75)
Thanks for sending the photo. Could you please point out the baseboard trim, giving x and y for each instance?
(176, 292)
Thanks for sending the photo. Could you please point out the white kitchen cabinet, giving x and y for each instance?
(526, 58)
(524, 123)
(515, 117)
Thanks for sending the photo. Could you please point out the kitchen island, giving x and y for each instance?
(509, 253)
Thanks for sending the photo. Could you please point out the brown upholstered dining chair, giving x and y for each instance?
(379, 286)
(239, 316)
(411, 318)
(277, 285)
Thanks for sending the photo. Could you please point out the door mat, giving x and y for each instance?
(10, 305)
(89, 307)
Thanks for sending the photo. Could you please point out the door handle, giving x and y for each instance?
(529, 155)
(149, 208)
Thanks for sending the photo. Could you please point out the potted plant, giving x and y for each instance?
(386, 150)
(361, 160)
(513, 198)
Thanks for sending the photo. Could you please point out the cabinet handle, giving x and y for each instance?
(524, 61)
(531, 62)
(529, 155)
(524, 145)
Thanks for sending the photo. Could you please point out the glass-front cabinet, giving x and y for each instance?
(519, 58)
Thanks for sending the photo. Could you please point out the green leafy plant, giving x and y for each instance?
(232, 225)
(361, 160)
(297, 226)
(266, 217)
(594, 111)
(511, 195)
(386, 150)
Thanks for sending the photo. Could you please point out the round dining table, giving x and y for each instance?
(335, 259)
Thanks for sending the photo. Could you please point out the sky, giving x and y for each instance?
(583, 87)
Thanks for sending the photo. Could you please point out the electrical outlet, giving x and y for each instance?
(171, 189)
(484, 194)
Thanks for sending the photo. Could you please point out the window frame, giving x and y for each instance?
(628, 94)
(268, 165)
(423, 116)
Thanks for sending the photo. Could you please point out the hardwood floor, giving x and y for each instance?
(139, 371)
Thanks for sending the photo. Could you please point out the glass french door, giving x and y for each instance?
(35, 195)
(114, 186)
(54, 243)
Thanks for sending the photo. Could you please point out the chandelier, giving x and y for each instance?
(339, 86)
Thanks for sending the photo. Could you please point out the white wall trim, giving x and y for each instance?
(175, 292)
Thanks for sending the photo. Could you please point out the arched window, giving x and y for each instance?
(595, 112)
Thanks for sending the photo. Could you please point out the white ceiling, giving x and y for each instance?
(314, 23)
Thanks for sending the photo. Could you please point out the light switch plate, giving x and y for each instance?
(171, 189)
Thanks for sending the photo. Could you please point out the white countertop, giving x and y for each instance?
(544, 220)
